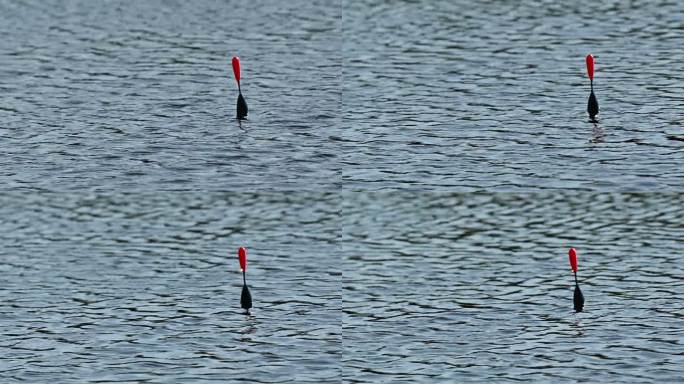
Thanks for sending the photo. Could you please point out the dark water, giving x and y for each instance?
(143, 288)
(135, 94)
(477, 288)
(493, 95)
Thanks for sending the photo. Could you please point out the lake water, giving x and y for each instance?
(141, 95)
(477, 288)
(408, 181)
(493, 95)
(146, 288)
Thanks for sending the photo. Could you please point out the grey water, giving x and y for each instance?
(146, 288)
(140, 94)
(408, 181)
(492, 95)
(441, 287)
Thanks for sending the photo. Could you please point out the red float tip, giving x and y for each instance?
(590, 66)
(242, 256)
(572, 255)
(236, 68)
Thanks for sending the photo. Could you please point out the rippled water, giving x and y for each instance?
(127, 185)
(493, 95)
(477, 288)
(146, 288)
(129, 94)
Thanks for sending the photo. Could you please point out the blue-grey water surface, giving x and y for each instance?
(146, 288)
(492, 95)
(477, 288)
(127, 186)
(140, 94)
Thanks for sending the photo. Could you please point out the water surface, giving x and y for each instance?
(477, 288)
(138, 95)
(493, 95)
(146, 288)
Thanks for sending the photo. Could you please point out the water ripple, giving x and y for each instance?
(495, 96)
(476, 287)
(142, 288)
(95, 92)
